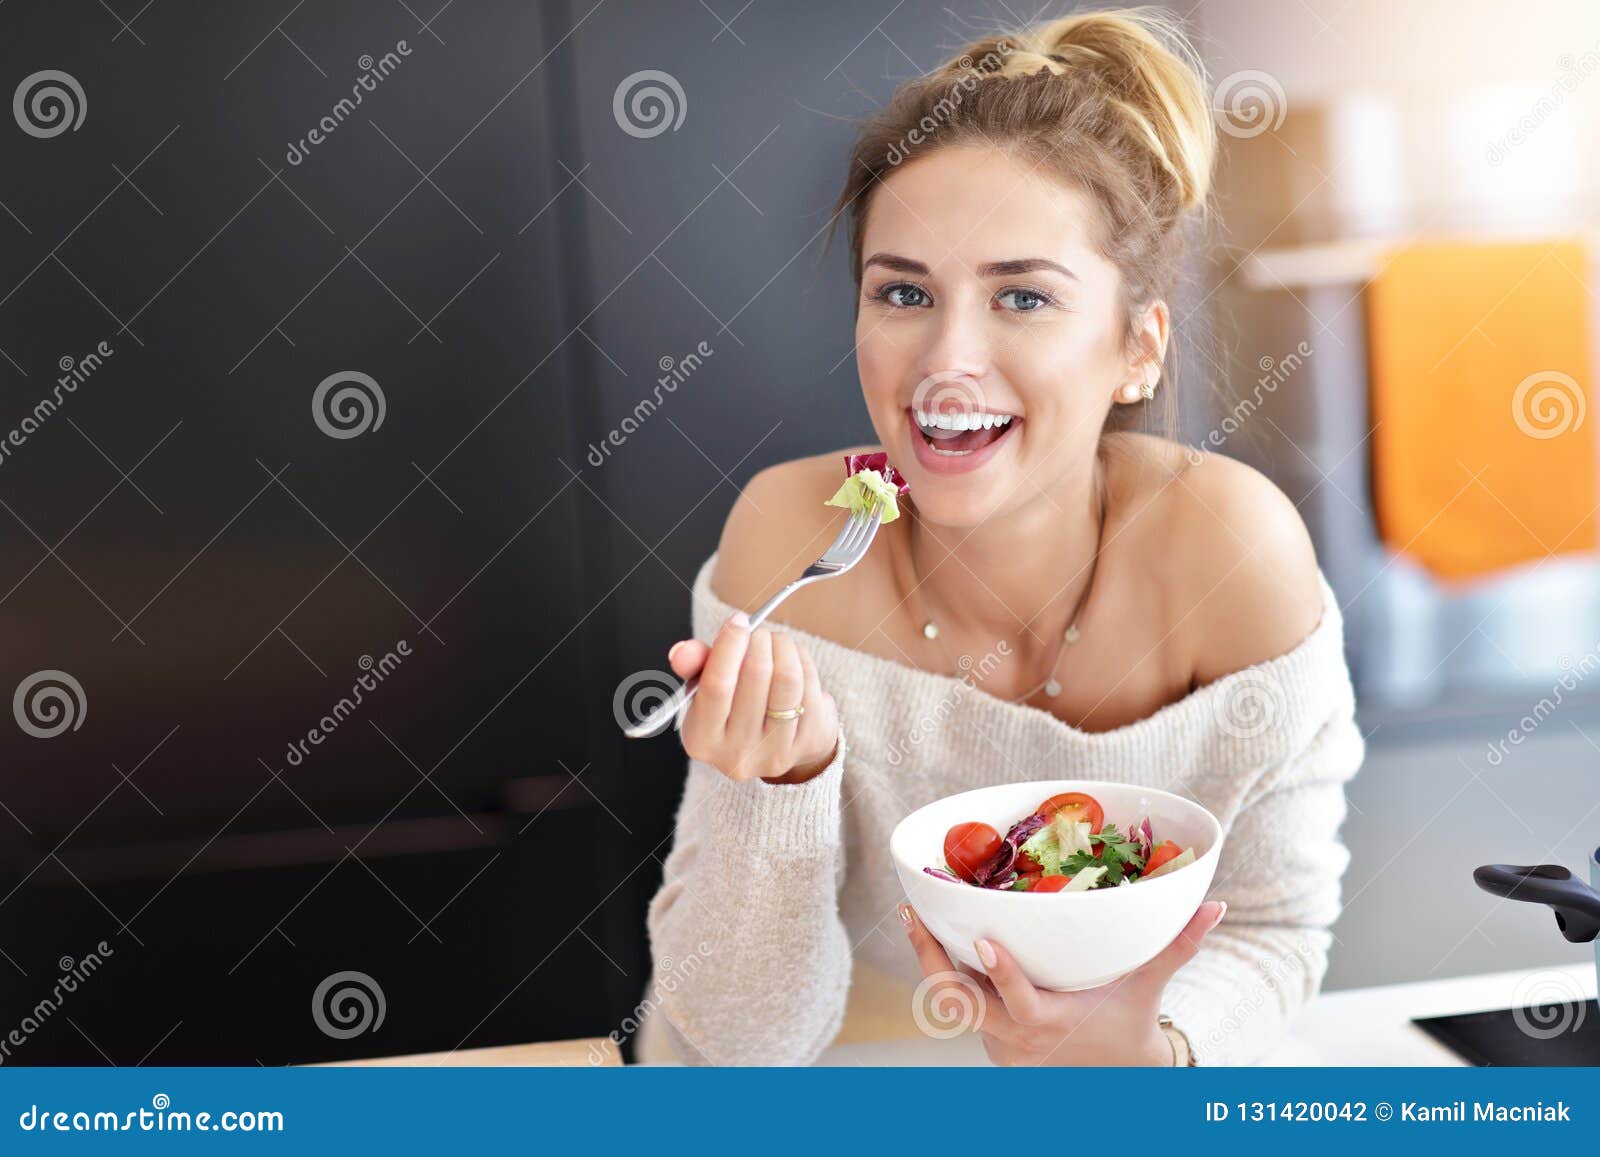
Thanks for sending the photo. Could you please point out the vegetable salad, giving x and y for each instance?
(1065, 845)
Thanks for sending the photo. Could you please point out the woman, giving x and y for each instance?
(1145, 614)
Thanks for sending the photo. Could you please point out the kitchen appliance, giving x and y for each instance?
(1545, 1034)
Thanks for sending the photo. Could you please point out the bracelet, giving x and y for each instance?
(1182, 1054)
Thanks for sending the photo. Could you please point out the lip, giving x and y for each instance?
(935, 463)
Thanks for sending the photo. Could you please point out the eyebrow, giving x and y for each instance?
(992, 269)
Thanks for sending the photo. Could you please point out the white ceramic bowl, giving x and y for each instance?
(1062, 940)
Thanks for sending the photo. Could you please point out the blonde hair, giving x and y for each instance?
(1113, 101)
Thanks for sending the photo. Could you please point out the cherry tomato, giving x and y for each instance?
(1027, 880)
(1077, 806)
(1051, 884)
(1167, 850)
(967, 847)
(1028, 866)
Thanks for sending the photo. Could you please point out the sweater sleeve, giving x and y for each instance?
(751, 958)
(1280, 869)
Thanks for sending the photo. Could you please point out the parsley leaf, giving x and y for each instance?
(1116, 853)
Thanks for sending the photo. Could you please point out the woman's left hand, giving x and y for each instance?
(1114, 1024)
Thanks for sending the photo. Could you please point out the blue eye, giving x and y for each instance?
(903, 295)
(1026, 300)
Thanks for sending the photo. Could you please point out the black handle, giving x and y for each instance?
(1576, 905)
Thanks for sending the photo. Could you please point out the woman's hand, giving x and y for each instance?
(742, 674)
(1114, 1024)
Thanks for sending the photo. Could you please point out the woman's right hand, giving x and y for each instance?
(742, 674)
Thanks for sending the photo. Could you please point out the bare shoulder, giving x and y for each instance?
(1245, 585)
(778, 525)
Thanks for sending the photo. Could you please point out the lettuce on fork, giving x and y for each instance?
(869, 477)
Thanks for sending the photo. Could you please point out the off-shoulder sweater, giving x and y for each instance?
(771, 890)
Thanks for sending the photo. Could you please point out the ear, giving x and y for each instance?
(1147, 350)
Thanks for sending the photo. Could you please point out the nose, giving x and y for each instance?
(957, 346)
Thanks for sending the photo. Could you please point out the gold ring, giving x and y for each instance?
(787, 713)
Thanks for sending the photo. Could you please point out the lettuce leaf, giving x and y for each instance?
(1056, 841)
(869, 477)
(1182, 860)
(1084, 880)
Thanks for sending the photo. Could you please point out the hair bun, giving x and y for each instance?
(1143, 62)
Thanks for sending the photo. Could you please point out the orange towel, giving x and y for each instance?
(1483, 452)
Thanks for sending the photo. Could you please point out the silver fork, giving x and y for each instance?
(847, 550)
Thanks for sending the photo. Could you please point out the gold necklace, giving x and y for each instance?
(1050, 685)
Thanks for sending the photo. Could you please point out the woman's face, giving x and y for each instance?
(983, 298)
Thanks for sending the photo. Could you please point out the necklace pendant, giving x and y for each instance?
(1072, 633)
(1052, 688)
(930, 630)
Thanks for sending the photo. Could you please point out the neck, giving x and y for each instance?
(1019, 576)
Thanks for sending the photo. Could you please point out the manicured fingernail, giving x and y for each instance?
(905, 915)
(1221, 912)
(676, 647)
(986, 953)
(739, 619)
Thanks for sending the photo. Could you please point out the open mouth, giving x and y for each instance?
(958, 434)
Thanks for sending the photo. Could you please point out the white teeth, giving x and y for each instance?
(961, 421)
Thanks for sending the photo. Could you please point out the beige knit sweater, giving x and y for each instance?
(771, 890)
